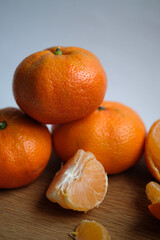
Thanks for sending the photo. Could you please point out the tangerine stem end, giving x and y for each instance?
(3, 125)
(58, 51)
(101, 108)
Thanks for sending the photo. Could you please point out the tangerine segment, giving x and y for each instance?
(90, 230)
(153, 191)
(154, 208)
(152, 150)
(153, 194)
(81, 184)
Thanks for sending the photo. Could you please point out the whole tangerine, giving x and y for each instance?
(114, 133)
(59, 84)
(25, 148)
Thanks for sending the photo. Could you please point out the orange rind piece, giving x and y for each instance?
(153, 194)
(90, 230)
(81, 184)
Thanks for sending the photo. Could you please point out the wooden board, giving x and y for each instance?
(26, 213)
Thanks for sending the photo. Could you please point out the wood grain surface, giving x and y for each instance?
(26, 213)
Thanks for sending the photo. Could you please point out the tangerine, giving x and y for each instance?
(152, 150)
(59, 84)
(114, 133)
(25, 148)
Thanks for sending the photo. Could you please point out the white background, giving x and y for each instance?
(124, 34)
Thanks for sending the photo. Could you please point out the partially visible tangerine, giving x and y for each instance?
(59, 84)
(81, 184)
(114, 133)
(153, 194)
(90, 230)
(152, 150)
(25, 148)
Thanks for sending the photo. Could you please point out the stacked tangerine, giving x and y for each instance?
(65, 87)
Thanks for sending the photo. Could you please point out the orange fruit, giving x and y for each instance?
(25, 148)
(114, 133)
(153, 194)
(59, 85)
(81, 184)
(152, 150)
(90, 230)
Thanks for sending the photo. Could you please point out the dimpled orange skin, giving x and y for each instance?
(25, 148)
(115, 135)
(59, 88)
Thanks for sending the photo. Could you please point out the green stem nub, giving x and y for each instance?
(58, 51)
(3, 125)
(101, 108)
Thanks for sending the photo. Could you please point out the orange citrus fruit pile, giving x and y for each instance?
(90, 230)
(56, 85)
(81, 184)
(153, 194)
(66, 86)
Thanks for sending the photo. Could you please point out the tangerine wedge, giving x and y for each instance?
(153, 194)
(90, 230)
(81, 184)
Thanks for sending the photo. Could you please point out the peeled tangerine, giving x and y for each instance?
(90, 230)
(81, 184)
